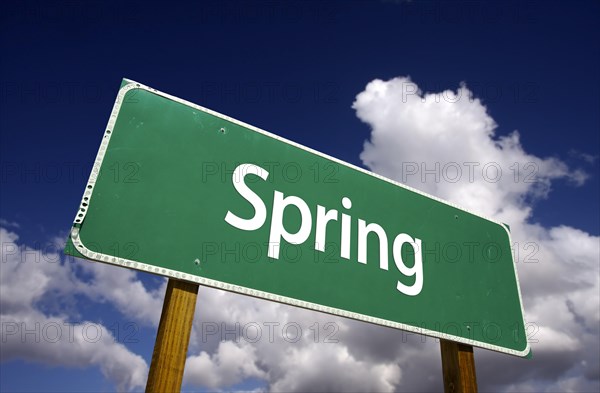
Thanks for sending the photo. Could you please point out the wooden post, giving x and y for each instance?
(458, 367)
(173, 337)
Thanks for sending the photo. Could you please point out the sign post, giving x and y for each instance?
(458, 367)
(184, 192)
(170, 348)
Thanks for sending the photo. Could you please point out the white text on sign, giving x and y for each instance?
(324, 217)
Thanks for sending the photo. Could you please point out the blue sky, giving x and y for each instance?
(294, 69)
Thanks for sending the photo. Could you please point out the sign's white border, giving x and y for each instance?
(85, 201)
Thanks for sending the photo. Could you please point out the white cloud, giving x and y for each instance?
(291, 349)
(586, 157)
(229, 365)
(33, 336)
(31, 282)
(9, 224)
(558, 267)
(414, 133)
(127, 293)
(331, 368)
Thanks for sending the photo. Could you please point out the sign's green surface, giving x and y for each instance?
(182, 191)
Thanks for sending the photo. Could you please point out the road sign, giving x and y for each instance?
(184, 192)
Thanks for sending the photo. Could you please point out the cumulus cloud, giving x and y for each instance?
(128, 294)
(229, 365)
(288, 348)
(446, 144)
(37, 319)
(301, 350)
(318, 368)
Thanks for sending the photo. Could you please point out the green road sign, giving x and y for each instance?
(181, 191)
